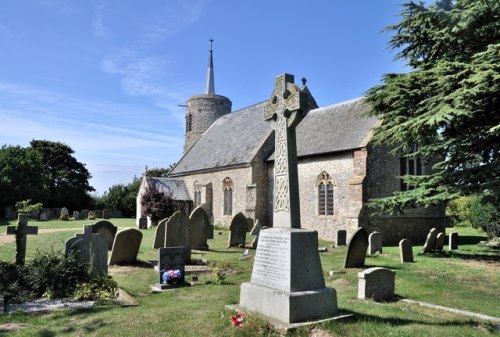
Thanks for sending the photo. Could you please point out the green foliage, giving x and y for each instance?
(121, 197)
(97, 288)
(447, 104)
(12, 283)
(19, 174)
(26, 207)
(156, 204)
(459, 211)
(486, 216)
(53, 274)
(159, 171)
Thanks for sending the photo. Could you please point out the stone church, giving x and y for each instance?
(228, 162)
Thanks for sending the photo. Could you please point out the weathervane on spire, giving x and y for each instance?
(211, 42)
(210, 87)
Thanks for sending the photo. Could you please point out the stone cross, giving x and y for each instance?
(285, 108)
(92, 250)
(20, 231)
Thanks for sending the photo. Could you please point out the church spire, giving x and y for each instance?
(210, 88)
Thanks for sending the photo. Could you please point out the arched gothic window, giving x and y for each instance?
(197, 194)
(410, 165)
(228, 196)
(189, 122)
(325, 194)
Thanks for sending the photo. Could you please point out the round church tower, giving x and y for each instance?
(202, 110)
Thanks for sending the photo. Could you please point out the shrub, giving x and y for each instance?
(459, 211)
(13, 284)
(98, 288)
(485, 215)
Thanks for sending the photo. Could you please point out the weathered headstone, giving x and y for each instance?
(159, 238)
(84, 214)
(76, 215)
(171, 268)
(91, 249)
(453, 241)
(64, 214)
(91, 215)
(238, 230)
(374, 243)
(287, 283)
(376, 283)
(439, 242)
(43, 217)
(21, 231)
(255, 232)
(106, 213)
(356, 249)
(126, 246)
(430, 241)
(98, 213)
(198, 233)
(341, 238)
(405, 251)
(177, 233)
(143, 223)
(107, 230)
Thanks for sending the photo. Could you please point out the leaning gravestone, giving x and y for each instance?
(405, 251)
(287, 283)
(91, 215)
(76, 215)
(255, 232)
(98, 213)
(106, 213)
(143, 223)
(171, 268)
(126, 246)
(84, 214)
(439, 242)
(376, 283)
(21, 231)
(341, 238)
(453, 241)
(198, 233)
(374, 243)
(64, 214)
(177, 233)
(91, 249)
(159, 238)
(107, 230)
(430, 241)
(238, 230)
(356, 249)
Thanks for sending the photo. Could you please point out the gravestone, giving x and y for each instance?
(171, 259)
(43, 217)
(91, 249)
(374, 243)
(21, 231)
(106, 213)
(287, 283)
(430, 241)
(91, 215)
(76, 215)
(376, 283)
(159, 238)
(64, 214)
(143, 223)
(453, 241)
(177, 233)
(84, 214)
(198, 233)
(98, 213)
(107, 230)
(255, 232)
(2, 303)
(341, 238)
(126, 246)
(439, 242)
(238, 230)
(356, 249)
(405, 251)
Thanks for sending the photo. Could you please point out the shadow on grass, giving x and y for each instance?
(493, 257)
(470, 240)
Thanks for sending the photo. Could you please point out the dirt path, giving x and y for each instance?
(11, 238)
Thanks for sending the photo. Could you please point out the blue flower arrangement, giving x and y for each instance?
(171, 275)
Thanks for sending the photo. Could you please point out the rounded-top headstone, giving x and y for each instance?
(177, 232)
(238, 230)
(356, 249)
(107, 230)
(199, 229)
(126, 246)
(159, 238)
(405, 251)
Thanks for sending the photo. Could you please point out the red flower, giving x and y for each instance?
(238, 319)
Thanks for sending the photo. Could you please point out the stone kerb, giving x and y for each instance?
(199, 229)
(356, 249)
(376, 283)
(126, 246)
(238, 231)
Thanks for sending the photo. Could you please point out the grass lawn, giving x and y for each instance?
(466, 279)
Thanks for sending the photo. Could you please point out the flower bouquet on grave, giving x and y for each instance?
(171, 276)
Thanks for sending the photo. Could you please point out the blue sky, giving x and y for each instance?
(106, 76)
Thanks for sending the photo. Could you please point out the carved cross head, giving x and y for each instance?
(286, 100)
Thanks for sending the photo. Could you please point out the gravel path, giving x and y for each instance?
(43, 305)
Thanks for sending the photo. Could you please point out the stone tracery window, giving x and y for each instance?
(325, 194)
(410, 165)
(228, 196)
(197, 194)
